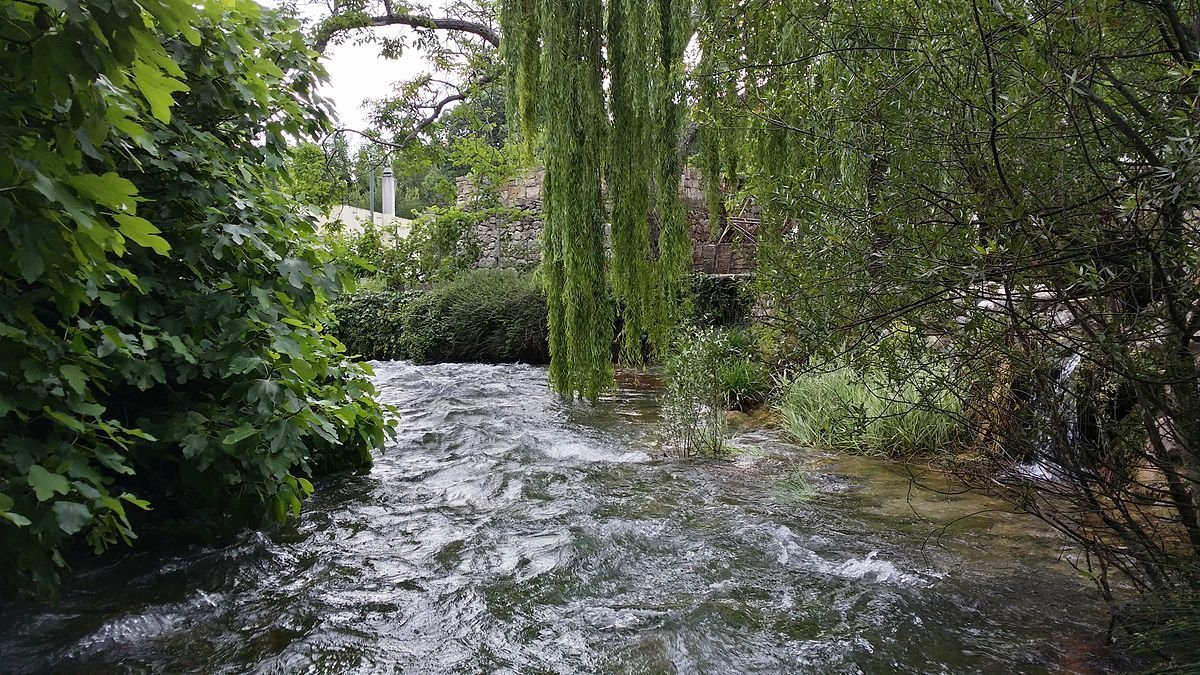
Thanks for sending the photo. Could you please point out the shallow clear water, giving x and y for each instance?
(509, 532)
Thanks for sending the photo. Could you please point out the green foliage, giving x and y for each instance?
(868, 413)
(718, 301)
(707, 372)
(561, 92)
(309, 178)
(693, 404)
(793, 485)
(637, 74)
(489, 166)
(743, 381)
(440, 244)
(161, 342)
(423, 173)
(573, 238)
(520, 21)
(490, 316)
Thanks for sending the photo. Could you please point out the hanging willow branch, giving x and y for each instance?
(561, 94)
(521, 25)
(629, 24)
(674, 242)
(581, 323)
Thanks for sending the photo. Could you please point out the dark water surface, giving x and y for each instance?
(509, 532)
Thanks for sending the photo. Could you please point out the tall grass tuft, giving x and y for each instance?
(867, 414)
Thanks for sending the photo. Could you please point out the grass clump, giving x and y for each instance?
(743, 381)
(867, 413)
(794, 486)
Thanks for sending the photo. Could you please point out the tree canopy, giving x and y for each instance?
(162, 354)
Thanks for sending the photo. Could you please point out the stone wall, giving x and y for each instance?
(512, 242)
(727, 248)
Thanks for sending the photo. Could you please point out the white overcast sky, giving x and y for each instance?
(358, 72)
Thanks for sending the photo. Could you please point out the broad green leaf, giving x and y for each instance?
(190, 34)
(243, 364)
(194, 444)
(65, 420)
(241, 433)
(108, 190)
(149, 49)
(296, 271)
(177, 345)
(263, 390)
(16, 519)
(72, 517)
(119, 118)
(45, 484)
(30, 263)
(142, 232)
(85, 489)
(140, 503)
(157, 89)
(55, 191)
(74, 376)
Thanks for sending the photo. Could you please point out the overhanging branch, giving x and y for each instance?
(437, 108)
(346, 22)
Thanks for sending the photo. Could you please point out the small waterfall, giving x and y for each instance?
(1057, 419)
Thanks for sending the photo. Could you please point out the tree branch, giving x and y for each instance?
(351, 22)
(437, 109)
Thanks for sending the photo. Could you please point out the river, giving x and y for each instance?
(506, 531)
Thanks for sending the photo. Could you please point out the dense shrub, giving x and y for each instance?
(161, 306)
(707, 372)
(693, 404)
(742, 379)
(720, 301)
(489, 316)
(868, 413)
(440, 245)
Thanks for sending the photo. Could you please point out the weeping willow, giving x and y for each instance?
(520, 25)
(709, 113)
(674, 239)
(635, 149)
(581, 323)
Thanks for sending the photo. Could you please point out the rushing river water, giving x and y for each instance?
(506, 531)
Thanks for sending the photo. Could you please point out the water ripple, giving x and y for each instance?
(508, 531)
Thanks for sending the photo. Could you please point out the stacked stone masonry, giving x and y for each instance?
(728, 248)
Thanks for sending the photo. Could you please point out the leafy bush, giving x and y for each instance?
(870, 414)
(708, 372)
(490, 316)
(693, 404)
(720, 301)
(440, 245)
(161, 340)
(743, 380)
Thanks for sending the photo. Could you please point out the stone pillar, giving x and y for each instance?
(389, 195)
